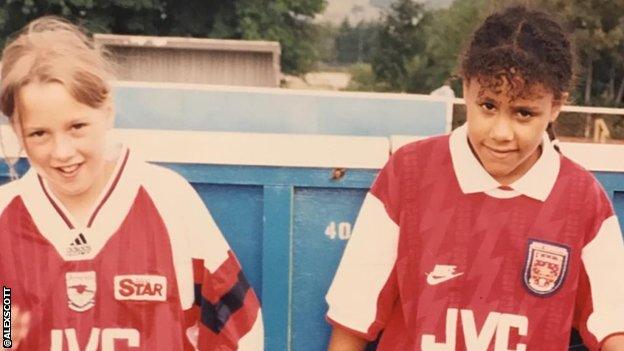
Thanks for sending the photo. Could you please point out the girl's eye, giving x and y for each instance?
(525, 113)
(488, 106)
(36, 134)
(79, 125)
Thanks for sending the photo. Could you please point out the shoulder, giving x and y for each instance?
(420, 151)
(174, 195)
(579, 177)
(182, 210)
(412, 159)
(582, 187)
(161, 181)
(170, 192)
(571, 167)
(438, 143)
(153, 173)
(8, 193)
(406, 165)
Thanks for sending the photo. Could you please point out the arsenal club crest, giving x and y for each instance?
(81, 289)
(546, 266)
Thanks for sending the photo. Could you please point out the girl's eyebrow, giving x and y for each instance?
(76, 120)
(32, 127)
(526, 107)
(30, 130)
(485, 98)
(487, 95)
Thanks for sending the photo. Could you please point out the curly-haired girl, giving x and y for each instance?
(487, 239)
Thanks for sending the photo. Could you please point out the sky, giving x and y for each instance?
(368, 10)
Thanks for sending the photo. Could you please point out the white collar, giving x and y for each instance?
(473, 178)
(55, 222)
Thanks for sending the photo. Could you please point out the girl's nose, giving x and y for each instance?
(502, 129)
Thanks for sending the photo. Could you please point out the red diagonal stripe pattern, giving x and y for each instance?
(228, 305)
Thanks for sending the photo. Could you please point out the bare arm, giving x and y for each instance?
(342, 340)
(614, 343)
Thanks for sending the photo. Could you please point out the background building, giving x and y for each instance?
(192, 60)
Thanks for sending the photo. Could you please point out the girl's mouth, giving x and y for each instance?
(69, 171)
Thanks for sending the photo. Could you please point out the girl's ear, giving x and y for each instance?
(16, 126)
(109, 109)
(558, 104)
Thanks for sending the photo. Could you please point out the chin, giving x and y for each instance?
(70, 189)
(498, 172)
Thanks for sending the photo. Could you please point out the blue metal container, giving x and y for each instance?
(287, 221)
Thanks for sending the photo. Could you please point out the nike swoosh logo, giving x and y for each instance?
(437, 279)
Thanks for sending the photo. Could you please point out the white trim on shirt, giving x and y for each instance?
(537, 183)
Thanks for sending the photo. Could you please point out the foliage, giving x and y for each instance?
(447, 34)
(401, 42)
(413, 49)
(286, 21)
(326, 43)
(362, 78)
(418, 49)
(597, 29)
(356, 43)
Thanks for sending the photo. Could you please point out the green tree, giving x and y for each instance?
(362, 78)
(447, 34)
(597, 29)
(326, 42)
(286, 21)
(346, 44)
(116, 16)
(401, 43)
(418, 50)
(356, 44)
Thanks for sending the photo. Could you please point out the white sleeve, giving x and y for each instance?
(206, 241)
(229, 310)
(603, 259)
(364, 270)
(232, 302)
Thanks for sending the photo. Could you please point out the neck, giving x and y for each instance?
(80, 206)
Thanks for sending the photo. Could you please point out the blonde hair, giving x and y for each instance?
(51, 49)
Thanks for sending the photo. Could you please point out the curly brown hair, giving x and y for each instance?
(523, 48)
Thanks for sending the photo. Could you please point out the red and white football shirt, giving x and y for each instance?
(149, 271)
(443, 259)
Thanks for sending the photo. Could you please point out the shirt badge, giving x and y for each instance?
(546, 267)
(81, 288)
(141, 287)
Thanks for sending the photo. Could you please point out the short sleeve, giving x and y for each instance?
(221, 310)
(600, 303)
(364, 289)
(229, 310)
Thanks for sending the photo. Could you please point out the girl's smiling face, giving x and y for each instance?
(63, 138)
(505, 132)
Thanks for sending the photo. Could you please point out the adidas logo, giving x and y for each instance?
(79, 246)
